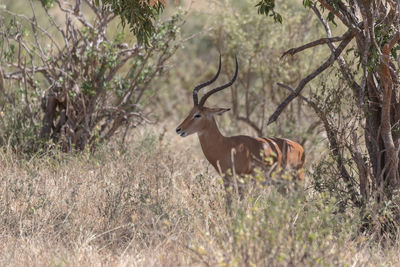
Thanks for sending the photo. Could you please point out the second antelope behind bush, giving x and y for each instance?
(237, 154)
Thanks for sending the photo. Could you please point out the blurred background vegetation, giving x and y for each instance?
(226, 27)
(138, 195)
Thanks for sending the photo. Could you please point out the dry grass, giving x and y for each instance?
(161, 204)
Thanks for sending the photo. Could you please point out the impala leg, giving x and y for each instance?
(244, 185)
(231, 192)
(241, 191)
(300, 174)
(228, 194)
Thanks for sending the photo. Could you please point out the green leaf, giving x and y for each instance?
(308, 3)
(331, 18)
(278, 18)
(139, 15)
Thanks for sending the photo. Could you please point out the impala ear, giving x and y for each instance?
(219, 111)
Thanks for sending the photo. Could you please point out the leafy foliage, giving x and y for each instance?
(266, 7)
(138, 14)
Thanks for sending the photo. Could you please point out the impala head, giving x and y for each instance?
(200, 117)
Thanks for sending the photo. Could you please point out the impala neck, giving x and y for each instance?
(211, 140)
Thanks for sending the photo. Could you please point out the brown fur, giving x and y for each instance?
(240, 154)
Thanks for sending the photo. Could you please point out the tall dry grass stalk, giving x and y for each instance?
(157, 202)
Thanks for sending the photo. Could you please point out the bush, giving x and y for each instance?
(88, 82)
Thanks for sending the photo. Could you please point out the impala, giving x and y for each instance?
(237, 154)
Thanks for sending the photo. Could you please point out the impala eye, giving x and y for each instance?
(197, 116)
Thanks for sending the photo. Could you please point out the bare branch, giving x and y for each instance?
(31, 21)
(129, 53)
(129, 92)
(310, 77)
(344, 69)
(39, 46)
(28, 103)
(2, 87)
(361, 166)
(287, 87)
(315, 43)
(79, 16)
(52, 21)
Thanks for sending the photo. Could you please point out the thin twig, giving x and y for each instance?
(321, 41)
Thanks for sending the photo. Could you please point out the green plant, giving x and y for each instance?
(140, 15)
